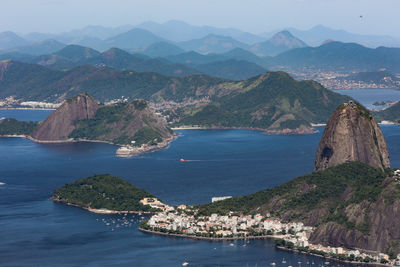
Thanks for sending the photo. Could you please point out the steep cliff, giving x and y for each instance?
(60, 124)
(352, 134)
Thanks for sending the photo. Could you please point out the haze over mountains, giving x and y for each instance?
(222, 53)
(204, 39)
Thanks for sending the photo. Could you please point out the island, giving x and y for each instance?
(133, 126)
(106, 194)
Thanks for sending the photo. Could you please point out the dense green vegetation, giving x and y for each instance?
(103, 191)
(14, 127)
(271, 101)
(129, 123)
(231, 69)
(34, 82)
(319, 190)
(96, 128)
(147, 135)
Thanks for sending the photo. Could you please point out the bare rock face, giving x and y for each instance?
(62, 121)
(383, 230)
(352, 134)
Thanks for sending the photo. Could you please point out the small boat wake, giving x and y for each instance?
(190, 160)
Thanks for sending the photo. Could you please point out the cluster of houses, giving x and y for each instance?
(185, 221)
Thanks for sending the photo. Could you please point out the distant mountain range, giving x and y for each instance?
(133, 39)
(10, 40)
(73, 56)
(337, 56)
(40, 48)
(36, 82)
(180, 31)
(212, 44)
(180, 35)
(235, 64)
(319, 34)
(278, 43)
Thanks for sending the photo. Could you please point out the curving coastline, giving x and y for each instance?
(222, 239)
(130, 151)
(331, 258)
(100, 211)
(286, 131)
(209, 238)
(133, 151)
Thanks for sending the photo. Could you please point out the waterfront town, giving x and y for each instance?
(184, 221)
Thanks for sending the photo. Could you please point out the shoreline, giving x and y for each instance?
(6, 108)
(287, 131)
(331, 258)
(208, 238)
(164, 144)
(100, 211)
(127, 151)
(222, 239)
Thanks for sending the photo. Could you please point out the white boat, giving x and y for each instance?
(185, 263)
(283, 261)
(2, 183)
(273, 263)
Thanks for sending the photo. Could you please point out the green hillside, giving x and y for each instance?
(103, 191)
(273, 101)
(231, 69)
(34, 82)
(123, 124)
(351, 205)
(14, 127)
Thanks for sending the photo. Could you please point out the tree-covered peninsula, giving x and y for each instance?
(102, 193)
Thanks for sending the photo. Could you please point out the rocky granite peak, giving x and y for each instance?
(352, 134)
(63, 121)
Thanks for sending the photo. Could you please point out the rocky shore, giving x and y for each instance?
(130, 151)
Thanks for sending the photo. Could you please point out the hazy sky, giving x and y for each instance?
(379, 16)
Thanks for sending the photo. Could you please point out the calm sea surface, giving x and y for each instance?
(34, 231)
(369, 96)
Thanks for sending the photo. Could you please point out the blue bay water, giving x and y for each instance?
(369, 96)
(35, 231)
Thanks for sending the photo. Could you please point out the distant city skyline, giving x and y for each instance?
(255, 16)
